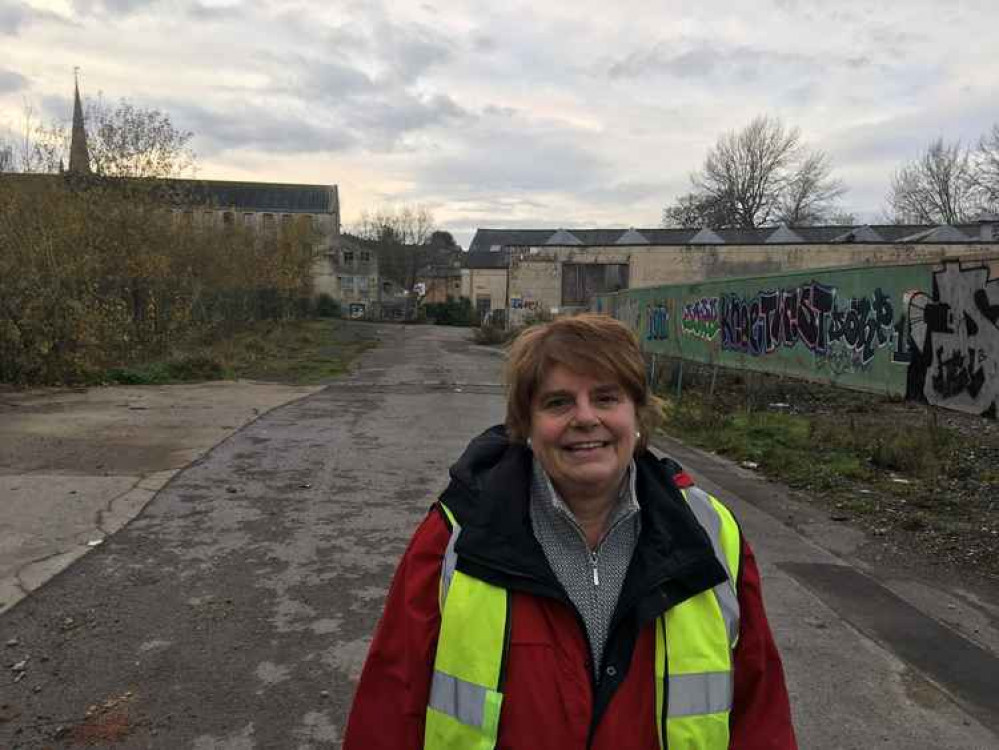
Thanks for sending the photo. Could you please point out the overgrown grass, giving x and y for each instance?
(924, 477)
(304, 352)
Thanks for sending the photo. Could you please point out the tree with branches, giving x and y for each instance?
(985, 172)
(124, 140)
(938, 187)
(757, 176)
(402, 240)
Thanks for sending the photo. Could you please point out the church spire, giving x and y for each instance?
(79, 156)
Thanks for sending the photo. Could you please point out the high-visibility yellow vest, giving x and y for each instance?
(694, 642)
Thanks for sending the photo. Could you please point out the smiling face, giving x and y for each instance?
(583, 432)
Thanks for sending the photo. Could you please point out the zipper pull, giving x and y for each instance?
(596, 575)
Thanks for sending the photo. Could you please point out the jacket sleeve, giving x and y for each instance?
(390, 704)
(761, 710)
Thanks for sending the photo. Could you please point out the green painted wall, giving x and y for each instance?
(848, 327)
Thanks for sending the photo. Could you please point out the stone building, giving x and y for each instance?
(558, 270)
(263, 207)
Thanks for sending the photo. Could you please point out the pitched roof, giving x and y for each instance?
(563, 237)
(489, 247)
(945, 233)
(783, 234)
(632, 237)
(706, 237)
(255, 196)
(859, 234)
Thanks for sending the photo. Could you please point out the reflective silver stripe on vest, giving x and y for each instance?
(450, 563)
(696, 694)
(458, 699)
(728, 600)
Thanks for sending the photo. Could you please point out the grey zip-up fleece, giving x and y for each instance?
(592, 579)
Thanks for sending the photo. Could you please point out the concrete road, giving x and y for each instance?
(235, 611)
(77, 464)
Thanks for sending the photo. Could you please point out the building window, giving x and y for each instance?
(346, 283)
(348, 256)
(248, 220)
(286, 220)
(362, 284)
(228, 219)
(365, 256)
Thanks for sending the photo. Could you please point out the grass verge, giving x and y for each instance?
(905, 472)
(302, 352)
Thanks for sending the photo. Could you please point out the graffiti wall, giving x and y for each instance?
(929, 332)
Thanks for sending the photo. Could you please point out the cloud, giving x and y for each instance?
(14, 15)
(259, 128)
(113, 8)
(704, 59)
(11, 81)
(517, 156)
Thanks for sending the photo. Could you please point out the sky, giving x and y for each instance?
(546, 113)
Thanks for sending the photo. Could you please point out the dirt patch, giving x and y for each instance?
(918, 479)
(107, 722)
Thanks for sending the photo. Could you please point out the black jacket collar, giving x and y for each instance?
(489, 494)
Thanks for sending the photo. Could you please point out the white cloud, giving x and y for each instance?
(528, 112)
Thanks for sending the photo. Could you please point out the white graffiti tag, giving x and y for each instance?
(957, 332)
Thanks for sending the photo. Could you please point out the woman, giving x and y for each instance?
(587, 601)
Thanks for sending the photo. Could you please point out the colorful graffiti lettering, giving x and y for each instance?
(518, 303)
(954, 334)
(700, 318)
(810, 314)
(657, 322)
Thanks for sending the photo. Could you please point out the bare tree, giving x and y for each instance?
(402, 236)
(130, 141)
(935, 188)
(123, 140)
(6, 157)
(757, 176)
(696, 210)
(986, 170)
(810, 194)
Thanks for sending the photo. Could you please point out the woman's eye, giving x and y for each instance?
(608, 398)
(556, 403)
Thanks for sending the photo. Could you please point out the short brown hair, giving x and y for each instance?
(588, 344)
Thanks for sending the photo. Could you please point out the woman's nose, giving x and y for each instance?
(585, 415)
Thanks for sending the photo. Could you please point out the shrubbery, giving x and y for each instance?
(454, 312)
(100, 274)
(327, 307)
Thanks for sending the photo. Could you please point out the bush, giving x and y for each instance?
(451, 313)
(327, 307)
(99, 275)
(490, 335)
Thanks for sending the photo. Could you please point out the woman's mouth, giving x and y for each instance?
(589, 445)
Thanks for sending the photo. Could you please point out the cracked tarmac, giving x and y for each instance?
(77, 464)
(235, 611)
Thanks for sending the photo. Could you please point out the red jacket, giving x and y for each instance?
(551, 698)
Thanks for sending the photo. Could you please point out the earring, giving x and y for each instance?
(529, 445)
(638, 435)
